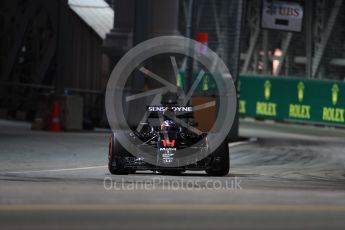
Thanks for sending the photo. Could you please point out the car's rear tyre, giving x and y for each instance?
(220, 165)
(116, 151)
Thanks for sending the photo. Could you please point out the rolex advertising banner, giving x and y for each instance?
(304, 100)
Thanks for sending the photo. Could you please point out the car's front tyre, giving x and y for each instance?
(115, 157)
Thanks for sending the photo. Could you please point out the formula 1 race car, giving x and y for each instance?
(166, 138)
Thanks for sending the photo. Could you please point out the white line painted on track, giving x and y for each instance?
(58, 170)
(238, 143)
(233, 144)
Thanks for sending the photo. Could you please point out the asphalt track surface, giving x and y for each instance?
(285, 177)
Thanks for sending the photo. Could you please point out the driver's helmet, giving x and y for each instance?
(168, 125)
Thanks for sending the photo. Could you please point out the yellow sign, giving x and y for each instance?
(300, 88)
(266, 108)
(299, 111)
(179, 80)
(335, 92)
(242, 106)
(333, 114)
(205, 83)
(267, 89)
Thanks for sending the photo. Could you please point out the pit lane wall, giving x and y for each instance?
(296, 99)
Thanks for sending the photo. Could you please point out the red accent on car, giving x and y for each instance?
(168, 143)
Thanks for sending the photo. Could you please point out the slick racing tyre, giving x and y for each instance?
(220, 164)
(115, 157)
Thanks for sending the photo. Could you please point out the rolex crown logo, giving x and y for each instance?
(335, 92)
(267, 90)
(300, 88)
